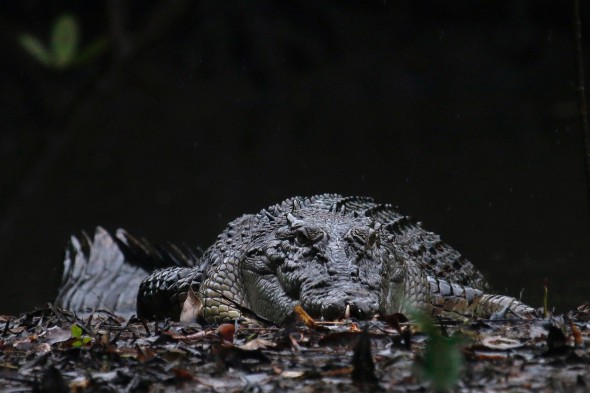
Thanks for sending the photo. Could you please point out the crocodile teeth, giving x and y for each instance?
(347, 312)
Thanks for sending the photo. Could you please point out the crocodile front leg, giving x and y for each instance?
(453, 300)
(246, 282)
(410, 288)
(163, 292)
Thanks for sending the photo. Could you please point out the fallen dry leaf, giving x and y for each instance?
(292, 374)
(578, 339)
(182, 374)
(191, 308)
(257, 343)
(394, 320)
(503, 343)
(57, 334)
(305, 317)
(144, 354)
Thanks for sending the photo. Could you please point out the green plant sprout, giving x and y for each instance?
(63, 50)
(79, 339)
(442, 359)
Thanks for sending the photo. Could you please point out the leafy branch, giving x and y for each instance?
(63, 50)
(442, 361)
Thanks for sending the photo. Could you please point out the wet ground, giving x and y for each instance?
(51, 350)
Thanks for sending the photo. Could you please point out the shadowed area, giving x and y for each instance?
(195, 113)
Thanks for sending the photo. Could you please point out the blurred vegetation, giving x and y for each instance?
(442, 361)
(63, 51)
(79, 339)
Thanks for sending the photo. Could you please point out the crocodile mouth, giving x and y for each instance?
(331, 307)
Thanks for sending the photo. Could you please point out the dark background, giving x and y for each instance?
(462, 113)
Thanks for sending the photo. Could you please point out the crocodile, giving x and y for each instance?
(335, 256)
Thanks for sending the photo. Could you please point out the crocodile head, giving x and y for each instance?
(330, 263)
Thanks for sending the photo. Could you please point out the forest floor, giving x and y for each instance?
(52, 350)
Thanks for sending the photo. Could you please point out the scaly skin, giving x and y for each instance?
(437, 297)
(327, 253)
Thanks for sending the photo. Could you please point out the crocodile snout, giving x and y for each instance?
(334, 309)
(361, 309)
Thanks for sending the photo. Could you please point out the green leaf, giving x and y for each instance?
(443, 360)
(35, 48)
(64, 40)
(79, 340)
(76, 331)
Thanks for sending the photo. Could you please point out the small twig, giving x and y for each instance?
(546, 298)
(88, 326)
(145, 326)
(59, 314)
(6, 327)
(114, 340)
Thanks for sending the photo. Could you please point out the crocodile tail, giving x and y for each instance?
(105, 272)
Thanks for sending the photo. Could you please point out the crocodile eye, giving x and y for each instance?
(363, 237)
(306, 236)
(301, 239)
